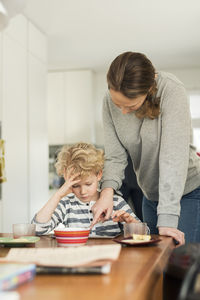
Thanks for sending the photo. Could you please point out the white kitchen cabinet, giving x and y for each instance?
(37, 120)
(37, 43)
(17, 30)
(38, 140)
(24, 122)
(70, 107)
(0, 77)
(15, 132)
(1, 222)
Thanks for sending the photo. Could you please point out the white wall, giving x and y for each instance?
(56, 102)
(70, 95)
(79, 106)
(190, 78)
(100, 87)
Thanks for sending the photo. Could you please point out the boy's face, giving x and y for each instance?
(86, 189)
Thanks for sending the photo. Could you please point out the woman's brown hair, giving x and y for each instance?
(133, 75)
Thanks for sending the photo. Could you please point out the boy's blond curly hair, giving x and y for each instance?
(83, 158)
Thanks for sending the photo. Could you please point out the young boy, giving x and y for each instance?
(81, 166)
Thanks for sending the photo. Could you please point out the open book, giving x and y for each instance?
(85, 259)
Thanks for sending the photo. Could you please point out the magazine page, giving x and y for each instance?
(65, 257)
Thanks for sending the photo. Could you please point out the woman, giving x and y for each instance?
(146, 114)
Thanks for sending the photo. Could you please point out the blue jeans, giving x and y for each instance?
(189, 221)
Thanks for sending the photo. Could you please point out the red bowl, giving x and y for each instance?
(71, 236)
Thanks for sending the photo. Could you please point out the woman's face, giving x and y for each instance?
(127, 105)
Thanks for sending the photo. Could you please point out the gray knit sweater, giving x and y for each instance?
(164, 159)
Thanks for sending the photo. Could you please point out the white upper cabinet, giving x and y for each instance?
(37, 119)
(70, 107)
(38, 141)
(37, 43)
(15, 132)
(18, 29)
(0, 77)
(1, 221)
(24, 122)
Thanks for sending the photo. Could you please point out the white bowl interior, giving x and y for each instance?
(72, 229)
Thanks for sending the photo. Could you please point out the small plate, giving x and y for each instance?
(131, 242)
(10, 242)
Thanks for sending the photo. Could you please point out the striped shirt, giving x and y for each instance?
(74, 213)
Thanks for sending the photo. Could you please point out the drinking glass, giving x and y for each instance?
(23, 230)
(135, 228)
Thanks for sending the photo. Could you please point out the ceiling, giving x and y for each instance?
(91, 33)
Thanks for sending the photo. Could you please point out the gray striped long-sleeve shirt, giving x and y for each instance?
(73, 213)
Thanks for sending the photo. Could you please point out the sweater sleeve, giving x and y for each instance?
(56, 218)
(115, 153)
(174, 154)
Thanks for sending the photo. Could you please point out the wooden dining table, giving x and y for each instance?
(136, 275)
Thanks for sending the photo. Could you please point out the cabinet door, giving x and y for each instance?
(56, 111)
(15, 132)
(38, 141)
(37, 44)
(1, 224)
(17, 30)
(0, 77)
(79, 107)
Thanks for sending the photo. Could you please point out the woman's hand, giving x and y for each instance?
(103, 207)
(123, 216)
(176, 234)
(70, 180)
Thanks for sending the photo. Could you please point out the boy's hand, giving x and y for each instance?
(123, 216)
(70, 180)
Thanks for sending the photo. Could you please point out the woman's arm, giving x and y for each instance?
(173, 160)
(115, 164)
(103, 207)
(174, 154)
(115, 153)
